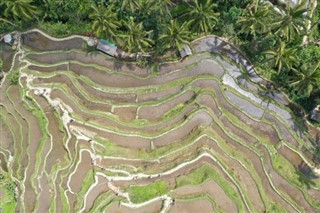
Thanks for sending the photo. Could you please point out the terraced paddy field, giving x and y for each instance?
(82, 132)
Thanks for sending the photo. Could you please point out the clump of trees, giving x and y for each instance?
(272, 36)
(274, 40)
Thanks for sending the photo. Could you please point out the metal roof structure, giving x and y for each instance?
(107, 47)
(185, 51)
(7, 38)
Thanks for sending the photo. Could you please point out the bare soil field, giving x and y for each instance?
(191, 206)
(214, 190)
(39, 42)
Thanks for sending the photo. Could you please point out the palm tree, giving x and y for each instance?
(174, 35)
(6, 21)
(283, 57)
(163, 6)
(308, 80)
(202, 16)
(254, 20)
(105, 21)
(136, 38)
(292, 22)
(132, 5)
(21, 9)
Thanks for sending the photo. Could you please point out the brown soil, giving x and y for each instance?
(6, 136)
(3, 162)
(58, 152)
(113, 97)
(32, 147)
(83, 168)
(257, 165)
(291, 156)
(7, 57)
(245, 179)
(60, 67)
(125, 113)
(204, 83)
(89, 58)
(260, 128)
(62, 79)
(169, 67)
(282, 185)
(204, 206)
(45, 197)
(119, 79)
(153, 207)
(246, 137)
(213, 189)
(157, 96)
(170, 178)
(148, 112)
(286, 135)
(39, 42)
(100, 188)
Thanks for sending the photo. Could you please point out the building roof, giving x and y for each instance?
(185, 51)
(7, 38)
(107, 42)
(107, 47)
(315, 114)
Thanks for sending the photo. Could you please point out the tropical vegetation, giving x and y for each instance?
(275, 37)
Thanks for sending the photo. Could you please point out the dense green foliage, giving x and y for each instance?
(14, 77)
(8, 200)
(273, 40)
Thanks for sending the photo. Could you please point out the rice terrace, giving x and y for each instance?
(82, 131)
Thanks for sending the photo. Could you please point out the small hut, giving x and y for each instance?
(315, 114)
(185, 51)
(7, 39)
(107, 47)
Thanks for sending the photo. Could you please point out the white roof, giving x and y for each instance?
(185, 51)
(7, 38)
(111, 50)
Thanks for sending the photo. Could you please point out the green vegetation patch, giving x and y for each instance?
(8, 199)
(205, 172)
(139, 194)
(14, 77)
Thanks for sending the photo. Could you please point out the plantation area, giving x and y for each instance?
(229, 128)
(85, 132)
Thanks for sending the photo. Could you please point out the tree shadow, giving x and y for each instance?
(306, 175)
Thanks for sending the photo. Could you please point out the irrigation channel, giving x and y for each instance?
(84, 132)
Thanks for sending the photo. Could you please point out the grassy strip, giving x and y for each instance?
(8, 201)
(204, 172)
(5, 121)
(296, 178)
(86, 183)
(111, 149)
(202, 196)
(140, 194)
(235, 138)
(185, 82)
(288, 165)
(17, 145)
(25, 119)
(269, 151)
(103, 201)
(39, 114)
